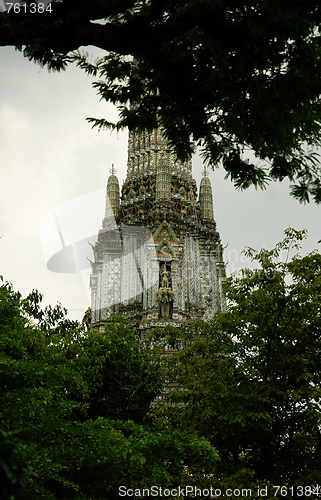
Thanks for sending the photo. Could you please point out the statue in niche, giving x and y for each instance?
(132, 192)
(182, 190)
(142, 190)
(165, 296)
(165, 282)
(190, 194)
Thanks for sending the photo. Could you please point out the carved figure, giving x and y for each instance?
(182, 190)
(191, 194)
(94, 249)
(165, 297)
(132, 192)
(142, 190)
(165, 282)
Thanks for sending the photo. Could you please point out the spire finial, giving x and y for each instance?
(204, 171)
(112, 170)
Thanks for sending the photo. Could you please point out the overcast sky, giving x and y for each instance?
(54, 169)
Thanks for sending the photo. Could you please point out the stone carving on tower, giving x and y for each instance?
(158, 257)
(165, 295)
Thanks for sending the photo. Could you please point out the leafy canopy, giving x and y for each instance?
(230, 77)
(72, 408)
(250, 380)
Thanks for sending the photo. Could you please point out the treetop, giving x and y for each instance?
(240, 80)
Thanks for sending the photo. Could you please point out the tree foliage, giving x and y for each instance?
(230, 77)
(50, 320)
(13, 470)
(250, 381)
(123, 377)
(70, 403)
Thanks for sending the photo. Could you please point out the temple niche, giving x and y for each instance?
(165, 295)
(158, 257)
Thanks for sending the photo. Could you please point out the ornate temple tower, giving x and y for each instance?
(158, 257)
(112, 196)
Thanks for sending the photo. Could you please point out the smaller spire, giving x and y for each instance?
(206, 197)
(112, 195)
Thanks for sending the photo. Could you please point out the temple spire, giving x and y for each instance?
(158, 257)
(112, 195)
(206, 197)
